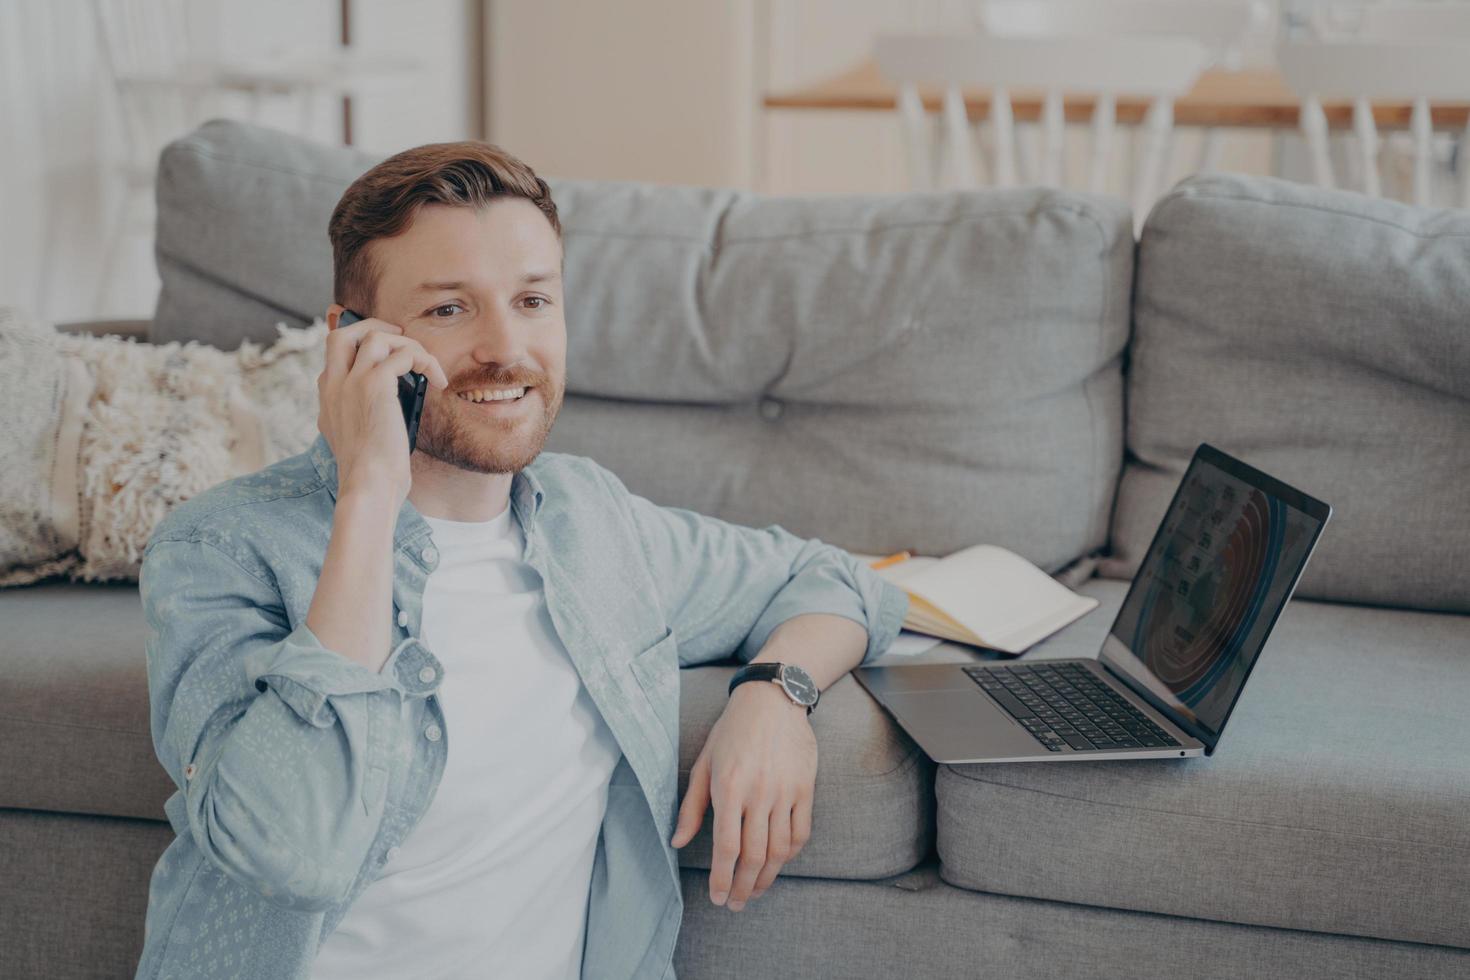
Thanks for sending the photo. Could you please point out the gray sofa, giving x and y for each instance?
(927, 372)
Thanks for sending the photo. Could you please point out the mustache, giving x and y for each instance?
(504, 379)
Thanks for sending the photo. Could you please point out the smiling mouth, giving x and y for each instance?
(504, 396)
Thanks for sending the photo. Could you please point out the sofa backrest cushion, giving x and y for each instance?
(882, 372)
(1323, 337)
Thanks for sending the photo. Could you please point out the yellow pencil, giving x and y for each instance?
(892, 559)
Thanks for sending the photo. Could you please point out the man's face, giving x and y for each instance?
(482, 291)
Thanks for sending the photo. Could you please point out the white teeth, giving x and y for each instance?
(493, 395)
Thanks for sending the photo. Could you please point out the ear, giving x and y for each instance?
(334, 313)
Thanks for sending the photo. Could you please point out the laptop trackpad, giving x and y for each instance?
(960, 725)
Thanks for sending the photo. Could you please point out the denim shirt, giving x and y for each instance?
(299, 770)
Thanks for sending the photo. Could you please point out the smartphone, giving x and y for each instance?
(411, 388)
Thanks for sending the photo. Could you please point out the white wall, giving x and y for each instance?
(63, 141)
(440, 106)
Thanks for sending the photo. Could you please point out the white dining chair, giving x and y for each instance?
(1444, 21)
(1160, 69)
(1224, 27)
(1362, 71)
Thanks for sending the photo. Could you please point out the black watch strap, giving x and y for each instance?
(759, 672)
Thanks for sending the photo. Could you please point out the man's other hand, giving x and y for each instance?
(759, 769)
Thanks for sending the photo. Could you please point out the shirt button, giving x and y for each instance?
(402, 617)
(432, 733)
(770, 409)
(426, 675)
(392, 854)
(430, 554)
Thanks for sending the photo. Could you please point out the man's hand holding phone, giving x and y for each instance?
(359, 411)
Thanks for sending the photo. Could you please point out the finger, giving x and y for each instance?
(367, 322)
(801, 824)
(752, 855)
(726, 849)
(398, 355)
(778, 850)
(375, 348)
(696, 799)
(394, 366)
(433, 369)
(342, 343)
(428, 365)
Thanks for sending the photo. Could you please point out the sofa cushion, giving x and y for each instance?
(74, 736)
(1323, 337)
(881, 372)
(1336, 801)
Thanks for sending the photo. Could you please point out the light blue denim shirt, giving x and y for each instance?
(298, 769)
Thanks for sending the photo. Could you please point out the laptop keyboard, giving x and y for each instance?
(1063, 704)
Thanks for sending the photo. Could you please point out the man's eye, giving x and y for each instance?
(446, 306)
(540, 301)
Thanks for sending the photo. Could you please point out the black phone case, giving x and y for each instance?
(411, 388)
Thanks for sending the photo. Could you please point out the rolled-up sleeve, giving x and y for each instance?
(725, 587)
(276, 742)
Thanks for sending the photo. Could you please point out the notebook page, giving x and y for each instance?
(996, 594)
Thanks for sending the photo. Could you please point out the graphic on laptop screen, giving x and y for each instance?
(1198, 613)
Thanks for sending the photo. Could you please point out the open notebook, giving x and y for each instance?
(986, 596)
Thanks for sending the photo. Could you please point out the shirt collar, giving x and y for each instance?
(526, 495)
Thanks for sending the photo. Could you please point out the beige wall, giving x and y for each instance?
(658, 90)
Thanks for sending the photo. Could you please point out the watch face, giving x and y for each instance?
(799, 684)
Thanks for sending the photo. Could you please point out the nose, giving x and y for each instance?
(497, 341)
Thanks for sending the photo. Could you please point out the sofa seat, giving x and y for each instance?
(1338, 800)
(916, 926)
(75, 736)
(74, 729)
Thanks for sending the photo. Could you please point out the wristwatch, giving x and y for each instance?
(797, 683)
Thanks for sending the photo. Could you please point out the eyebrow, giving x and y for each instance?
(434, 287)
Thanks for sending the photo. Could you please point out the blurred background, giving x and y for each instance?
(775, 96)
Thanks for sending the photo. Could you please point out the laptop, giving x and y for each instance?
(1222, 566)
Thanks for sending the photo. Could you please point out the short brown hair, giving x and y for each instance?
(382, 202)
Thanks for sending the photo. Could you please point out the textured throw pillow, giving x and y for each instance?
(104, 435)
(43, 396)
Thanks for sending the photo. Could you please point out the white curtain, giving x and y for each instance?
(62, 140)
(62, 146)
(58, 143)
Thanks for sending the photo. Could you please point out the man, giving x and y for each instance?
(422, 709)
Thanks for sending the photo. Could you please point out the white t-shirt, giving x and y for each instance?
(494, 880)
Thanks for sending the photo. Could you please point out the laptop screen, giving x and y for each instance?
(1221, 567)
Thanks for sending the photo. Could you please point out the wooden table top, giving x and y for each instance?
(1257, 98)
